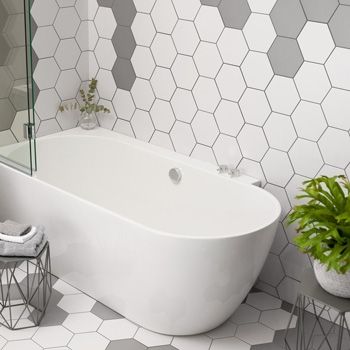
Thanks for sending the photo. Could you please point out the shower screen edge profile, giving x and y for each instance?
(17, 122)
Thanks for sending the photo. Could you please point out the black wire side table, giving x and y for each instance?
(25, 289)
(322, 322)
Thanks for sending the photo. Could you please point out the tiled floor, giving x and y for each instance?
(75, 321)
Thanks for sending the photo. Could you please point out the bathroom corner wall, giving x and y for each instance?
(60, 58)
(260, 84)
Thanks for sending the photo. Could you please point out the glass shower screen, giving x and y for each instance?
(17, 144)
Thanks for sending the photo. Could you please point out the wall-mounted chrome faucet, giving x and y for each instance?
(229, 169)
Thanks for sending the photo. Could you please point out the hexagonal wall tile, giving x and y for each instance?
(163, 83)
(208, 60)
(208, 14)
(229, 117)
(230, 82)
(185, 37)
(164, 16)
(205, 128)
(252, 142)
(183, 139)
(184, 105)
(206, 94)
(226, 150)
(142, 125)
(234, 13)
(184, 71)
(338, 68)
(163, 50)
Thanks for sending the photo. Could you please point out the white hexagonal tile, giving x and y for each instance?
(207, 59)
(205, 128)
(44, 12)
(164, 16)
(257, 70)
(226, 150)
(277, 167)
(142, 125)
(255, 333)
(203, 153)
(163, 84)
(261, 6)
(123, 127)
(149, 338)
(87, 36)
(68, 84)
(183, 139)
(19, 334)
(263, 301)
(209, 14)
(82, 322)
(123, 104)
(87, 65)
(142, 94)
(105, 54)
(229, 117)
(184, 105)
(163, 50)
(226, 330)
(306, 158)
(162, 139)
(195, 342)
(229, 343)
(255, 107)
(335, 147)
(144, 5)
(46, 73)
(47, 104)
(76, 303)
(65, 288)
(187, 9)
(88, 340)
(143, 29)
(162, 115)
(232, 46)
(253, 169)
(282, 95)
(185, 72)
(45, 42)
(312, 82)
(47, 127)
(338, 68)
(67, 22)
(316, 42)
(105, 22)
(118, 329)
(337, 108)
(259, 32)
(206, 94)
(143, 62)
(185, 37)
(17, 130)
(281, 195)
(21, 344)
(67, 61)
(309, 120)
(86, 12)
(280, 132)
(252, 142)
(245, 314)
(277, 319)
(230, 82)
(106, 84)
(54, 336)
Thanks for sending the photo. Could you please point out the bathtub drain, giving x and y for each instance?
(175, 175)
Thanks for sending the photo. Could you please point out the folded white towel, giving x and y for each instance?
(19, 239)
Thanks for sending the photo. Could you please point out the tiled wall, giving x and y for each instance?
(260, 84)
(13, 92)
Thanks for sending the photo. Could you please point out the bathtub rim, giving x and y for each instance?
(169, 155)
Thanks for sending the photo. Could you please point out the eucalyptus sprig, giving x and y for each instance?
(324, 221)
(89, 106)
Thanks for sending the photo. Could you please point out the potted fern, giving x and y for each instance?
(88, 109)
(324, 231)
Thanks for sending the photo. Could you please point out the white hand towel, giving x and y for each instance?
(19, 239)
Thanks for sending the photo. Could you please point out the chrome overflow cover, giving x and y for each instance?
(175, 175)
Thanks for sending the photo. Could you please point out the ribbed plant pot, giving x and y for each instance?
(331, 281)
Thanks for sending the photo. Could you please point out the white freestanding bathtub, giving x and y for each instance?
(176, 259)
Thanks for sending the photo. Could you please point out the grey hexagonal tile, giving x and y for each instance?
(5, 50)
(6, 82)
(124, 12)
(105, 3)
(7, 114)
(124, 42)
(319, 10)
(288, 18)
(339, 26)
(124, 74)
(234, 13)
(285, 56)
(104, 312)
(125, 344)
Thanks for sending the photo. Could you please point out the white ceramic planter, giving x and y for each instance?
(331, 281)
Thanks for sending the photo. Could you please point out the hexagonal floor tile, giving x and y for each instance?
(22, 344)
(263, 301)
(195, 342)
(118, 329)
(126, 344)
(55, 336)
(277, 319)
(88, 341)
(149, 338)
(76, 303)
(255, 333)
(82, 322)
(245, 314)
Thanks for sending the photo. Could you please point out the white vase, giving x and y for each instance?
(331, 281)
